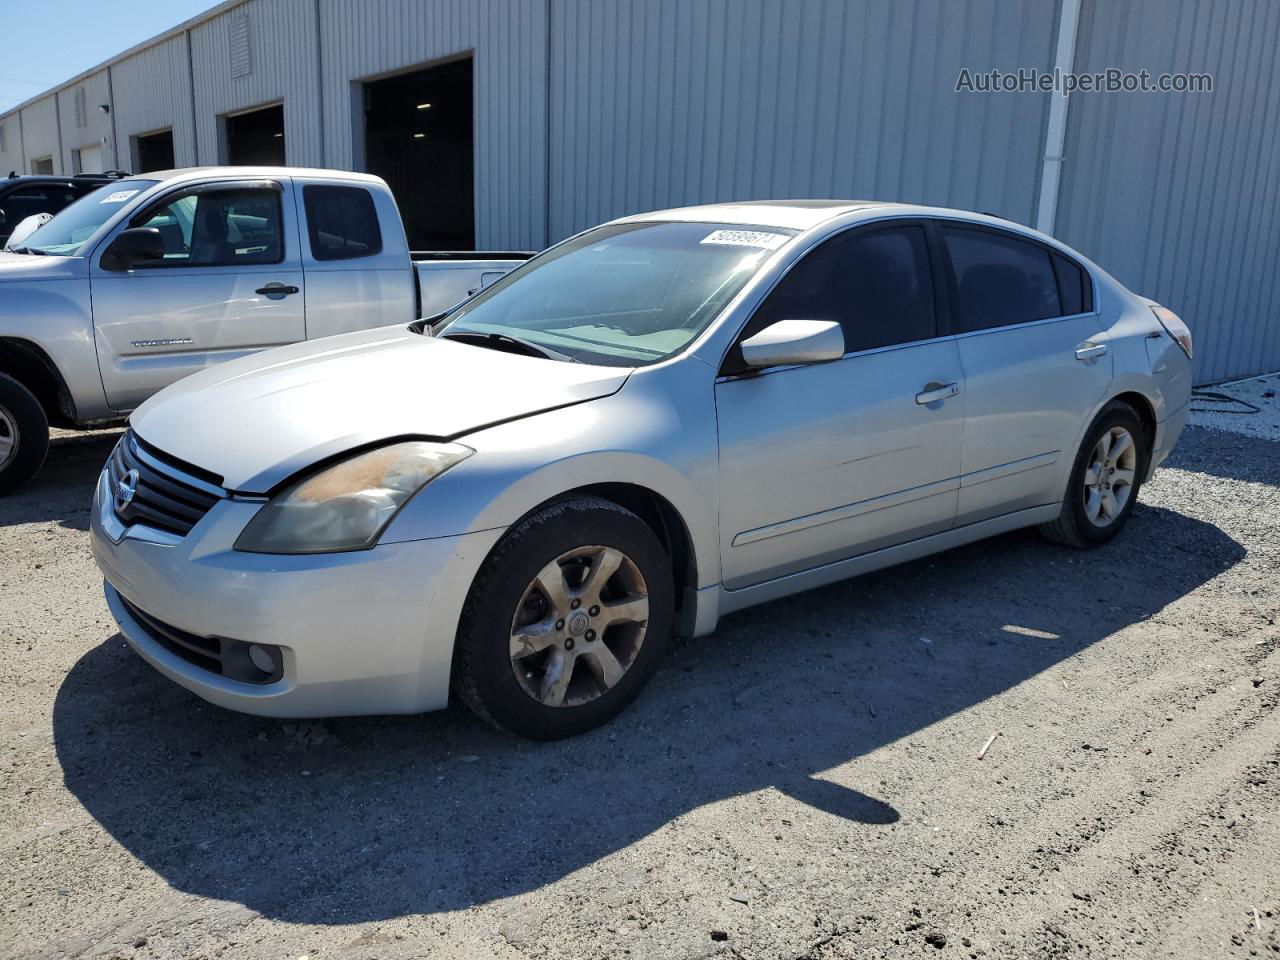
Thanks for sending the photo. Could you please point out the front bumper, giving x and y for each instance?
(366, 632)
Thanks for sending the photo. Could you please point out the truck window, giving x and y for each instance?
(219, 228)
(342, 222)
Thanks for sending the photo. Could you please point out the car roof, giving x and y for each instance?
(54, 178)
(792, 214)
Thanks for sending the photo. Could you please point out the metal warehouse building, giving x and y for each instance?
(513, 123)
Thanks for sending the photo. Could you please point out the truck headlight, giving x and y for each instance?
(348, 505)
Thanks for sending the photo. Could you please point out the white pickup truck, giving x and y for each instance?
(154, 277)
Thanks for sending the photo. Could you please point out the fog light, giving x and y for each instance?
(261, 659)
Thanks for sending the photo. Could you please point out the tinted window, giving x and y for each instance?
(219, 228)
(1000, 279)
(342, 222)
(23, 203)
(876, 284)
(1073, 286)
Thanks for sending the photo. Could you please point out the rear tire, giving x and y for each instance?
(566, 621)
(1104, 481)
(24, 435)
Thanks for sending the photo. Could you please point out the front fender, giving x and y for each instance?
(620, 439)
(55, 315)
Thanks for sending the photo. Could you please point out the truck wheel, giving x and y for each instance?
(24, 435)
(566, 620)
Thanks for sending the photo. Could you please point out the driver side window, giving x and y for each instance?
(219, 228)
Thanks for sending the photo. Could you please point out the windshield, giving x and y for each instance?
(66, 233)
(622, 295)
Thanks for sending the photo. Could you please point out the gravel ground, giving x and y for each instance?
(803, 784)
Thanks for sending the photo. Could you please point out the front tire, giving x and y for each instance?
(566, 621)
(24, 435)
(1105, 480)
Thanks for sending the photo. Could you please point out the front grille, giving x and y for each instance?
(227, 658)
(165, 495)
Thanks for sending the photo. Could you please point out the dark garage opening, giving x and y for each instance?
(418, 137)
(257, 137)
(154, 152)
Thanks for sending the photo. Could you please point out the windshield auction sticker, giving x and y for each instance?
(746, 238)
(120, 196)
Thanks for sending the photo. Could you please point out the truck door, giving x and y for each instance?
(230, 283)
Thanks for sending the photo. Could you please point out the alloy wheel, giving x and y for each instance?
(579, 626)
(8, 438)
(1109, 477)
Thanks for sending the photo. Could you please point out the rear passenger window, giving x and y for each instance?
(1001, 280)
(342, 222)
(1073, 286)
(877, 284)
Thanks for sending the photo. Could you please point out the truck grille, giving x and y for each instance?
(164, 495)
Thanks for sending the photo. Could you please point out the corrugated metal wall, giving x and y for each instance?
(508, 40)
(90, 127)
(282, 67)
(590, 109)
(664, 102)
(40, 133)
(153, 92)
(1176, 194)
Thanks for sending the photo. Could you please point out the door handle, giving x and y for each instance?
(277, 289)
(1090, 351)
(934, 391)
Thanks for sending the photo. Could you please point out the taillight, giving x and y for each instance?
(1175, 328)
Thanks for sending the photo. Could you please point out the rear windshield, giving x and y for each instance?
(66, 233)
(622, 295)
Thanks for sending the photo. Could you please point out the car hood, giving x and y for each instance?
(259, 420)
(30, 266)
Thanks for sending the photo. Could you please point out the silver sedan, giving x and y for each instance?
(654, 423)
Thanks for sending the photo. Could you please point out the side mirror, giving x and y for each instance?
(137, 245)
(794, 341)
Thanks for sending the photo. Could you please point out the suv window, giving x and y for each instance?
(1001, 279)
(213, 228)
(876, 283)
(342, 222)
(26, 201)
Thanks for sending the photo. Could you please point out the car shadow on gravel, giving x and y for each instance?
(364, 819)
(63, 489)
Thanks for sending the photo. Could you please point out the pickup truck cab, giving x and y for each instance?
(151, 278)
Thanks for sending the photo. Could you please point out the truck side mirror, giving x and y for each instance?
(135, 246)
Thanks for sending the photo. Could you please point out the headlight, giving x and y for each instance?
(348, 505)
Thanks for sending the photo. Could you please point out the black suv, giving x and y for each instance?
(20, 197)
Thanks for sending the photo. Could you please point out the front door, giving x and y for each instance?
(230, 283)
(827, 461)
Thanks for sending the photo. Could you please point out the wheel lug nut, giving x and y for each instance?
(559, 624)
(591, 635)
(575, 604)
(594, 611)
(568, 644)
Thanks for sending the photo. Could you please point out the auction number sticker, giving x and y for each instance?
(747, 238)
(120, 196)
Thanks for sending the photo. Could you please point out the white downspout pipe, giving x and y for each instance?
(1055, 133)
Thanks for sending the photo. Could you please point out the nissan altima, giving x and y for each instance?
(653, 423)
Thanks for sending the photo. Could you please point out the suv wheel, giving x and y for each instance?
(24, 435)
(566, 621)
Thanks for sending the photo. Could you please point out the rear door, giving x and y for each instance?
(230, 283)
(1034, 366)
(822, 462)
